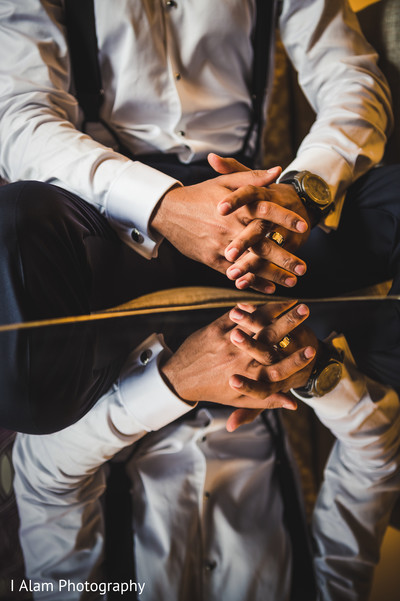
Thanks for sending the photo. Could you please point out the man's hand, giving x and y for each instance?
(256, 339)
(189, 219)
(247, 250)
(244, 374)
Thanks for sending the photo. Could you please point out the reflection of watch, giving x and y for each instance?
(313, 191)
(326, 374)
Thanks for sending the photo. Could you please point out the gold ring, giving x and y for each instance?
(276, 237)
(284, 342)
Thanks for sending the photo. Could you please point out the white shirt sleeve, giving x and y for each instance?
(361, 481)
(39, 127)
(59, 477)
(337, 70)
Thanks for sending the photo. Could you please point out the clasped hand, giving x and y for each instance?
(226, 219)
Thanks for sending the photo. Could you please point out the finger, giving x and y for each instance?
(266, 355)
(258, 322)
(285, 324)
(224, 165)
(265, 352)
(291, 365)
(256, 178)
(239, 417)
(254, 319)
(261, 319)
(262, 208)
(256, 283)
(251, 270)
(261, 393)
(254, 234)
(250, 280)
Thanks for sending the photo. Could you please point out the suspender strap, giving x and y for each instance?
(262, 42)
(82, 41)
(303, 586)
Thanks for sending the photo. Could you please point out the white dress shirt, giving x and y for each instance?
(207, 507)
(176, 79)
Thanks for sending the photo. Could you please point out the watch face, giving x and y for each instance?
(317, 189)
(328, 378)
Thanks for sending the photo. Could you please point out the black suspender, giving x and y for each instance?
(303, 586)
(82, 41)
(262, 44)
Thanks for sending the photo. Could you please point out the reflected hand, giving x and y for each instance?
(209, 367)
(257, 340)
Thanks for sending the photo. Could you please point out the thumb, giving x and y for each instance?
(240, 417)
(225, 165)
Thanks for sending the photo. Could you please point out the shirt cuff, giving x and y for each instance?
(142, 390)
(329, 165)
(130, 203)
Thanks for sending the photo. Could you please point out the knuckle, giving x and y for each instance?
(273, 373)
(290, 318)
(209, 257)
(268, 358)
(267, 249)
(215, 329)
(265, 208)
(250, 278)
(288, 264)
(250, 190)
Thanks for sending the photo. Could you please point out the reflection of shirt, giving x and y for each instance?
(207, 509)
(176, 78)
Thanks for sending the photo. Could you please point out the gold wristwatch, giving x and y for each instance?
(326, 374)
(313, 191)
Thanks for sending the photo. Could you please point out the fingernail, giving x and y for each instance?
(302, 310)
(269, 289)
(300, 269)
(290, 282)
(309, 352)
(232, 254)
(236, 314)
(234, 272)
(224, 208)
(274, 170)
(301, 226)
(235, 382)
(242, 284)
(247, 307)
(289, 405)
(237, 336)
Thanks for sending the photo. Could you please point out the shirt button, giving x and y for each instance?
(178, 76)
(210, 565)
(145, 357)
(181, 133)
(137, 236)
(203, 438)
(171, 4)
(207, 495)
